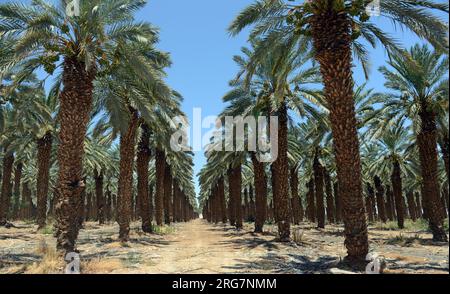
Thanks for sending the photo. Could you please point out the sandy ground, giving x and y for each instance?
(199, 247)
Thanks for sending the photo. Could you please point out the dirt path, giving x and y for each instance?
(202, 248)
(196, 248)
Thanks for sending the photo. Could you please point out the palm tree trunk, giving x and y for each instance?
(8, 162)
(389, 204)
(332, 43)
(231, 200)
(396, 180)
(338, 202)
(17, 179)
(125, 184)
(445, 149)
(73, 117)
(371, 203)
(223, 204)
(381, 207)
(411, 205)
(237, 181)
(418, 205)
(100, 199)
(43, 157)
(311, 203)
(318, 184)
(427, 142)
(167, 195)
(281, 178)
(296, 206)
(159, 197)
(143, 160)
(330, 201)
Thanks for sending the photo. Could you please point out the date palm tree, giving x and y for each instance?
(334, 27)
(86, 44)
(420, 90)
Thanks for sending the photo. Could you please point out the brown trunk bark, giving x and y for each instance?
(419, 211)
(445, 149)
(223, 204)
(159, 197)
(237, 180)
(8, 162)
(411, 205)
(17, 180)
(143, 159)
(44, 156)
(381, 206)
(281, 178)
(296, 206)
(100, 199)
(125, 184)
(74, 115)
(396, 180)
(318, 184)
(389, 204)
(427, 142)
(231, 200)
(167, 195)
(330, 201)
(332, 43)
(310, 198)
(338, 202)
(371, 201)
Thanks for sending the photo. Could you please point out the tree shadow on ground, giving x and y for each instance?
(292, 263)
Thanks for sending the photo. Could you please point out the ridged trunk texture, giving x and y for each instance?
(142, 163)
(332, 43)
(381, 206)
(74, 115)
(281, 178)
(43, 164)
(337, 202)
(167, 195)
(389, 203)
(418, 205)
(125, 184)
(412, 205)
(445, 149)
(371, 211)
(159, 197)
(231, 200)
(99, 197)
(237, 188)
(246, 205)
(427, 142)
(223, 204)
(397, 186)
(296, 205)
(27, 203)
(252, 209)
(108, 203)
(331, 209)
(17, 181)
(310, 201)
(8, 162)
(319, 185)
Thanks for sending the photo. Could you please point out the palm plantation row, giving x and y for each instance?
(346, 153)
(74, 147)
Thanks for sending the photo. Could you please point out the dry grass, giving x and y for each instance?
(101, 266)
(51, 263)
